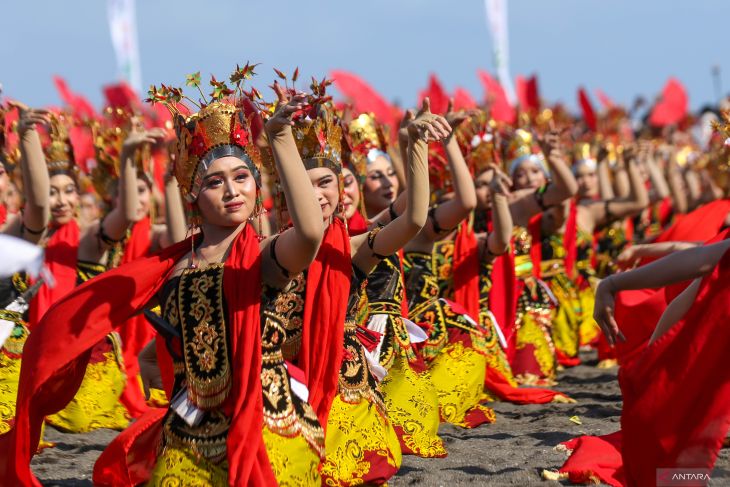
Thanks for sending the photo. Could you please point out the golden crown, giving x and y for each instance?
(477, 139)
(223, 126)
(59, 151)
(367, 139)
(108, 140)
(319, 138)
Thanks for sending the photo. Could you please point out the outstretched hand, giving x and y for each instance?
(454, 119)
(30, 117)
(428, 126)
(500, 183)
(286, 107)
(137, 138)
(605, 308)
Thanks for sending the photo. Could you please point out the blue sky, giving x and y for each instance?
(623, 47)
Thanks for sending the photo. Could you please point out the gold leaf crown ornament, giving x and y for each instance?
(59, 151)
(368, 141)
(108, 140)
(226, 125)
(521, 149)
(719, 163)
(477, 139)
(318, 137)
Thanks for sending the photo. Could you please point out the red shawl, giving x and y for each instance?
(60, 259)
(702, 224)
(3, 214)
(535, 229)
(325, 307)
(137, 332)
(466, 270)
(570, 237)
(676, 395)
(357, 224)
(56, 354)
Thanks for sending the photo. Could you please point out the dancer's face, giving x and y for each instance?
(529, 175)
(89, 209)
(228, 193)
(587, 180)
(380, 187)
(64, 198)
(326, 189)
(351, 196)
(144, 198)
(481, 185)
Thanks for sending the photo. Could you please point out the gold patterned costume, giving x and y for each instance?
(534, 360)
(361, 445)
(455, 349)
(96, 403)
(410, 396)
(566, 316)
(196, 453)
(587, 281)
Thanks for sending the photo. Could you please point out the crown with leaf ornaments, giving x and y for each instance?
(108, 137)
(58, 149)
(227, 123)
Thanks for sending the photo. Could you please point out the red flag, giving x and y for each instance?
(672, 107)
(80, 106)
(589, 115)
(437, 94)
(463, 100)
(364, 98)
(604, 99)
(502, 110)
(527, 93)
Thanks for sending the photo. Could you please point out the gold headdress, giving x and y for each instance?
(719, 163)
(583, 156)
(108, 141)
(9, 156)
(368, 140)
(477, 139)
(521, 149)
(225, 126)
(319, 139)
(59, 151)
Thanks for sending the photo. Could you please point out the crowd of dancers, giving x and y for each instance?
(282, 289)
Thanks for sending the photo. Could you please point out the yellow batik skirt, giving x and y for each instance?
(361, 446)
(589, 329)
(458, 375)
(566, 320)
(96, 403)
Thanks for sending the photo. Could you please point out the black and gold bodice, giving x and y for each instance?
(584, 254)
(534, 295)
(553, 255)
(87, 270)
(385, 289)
(611, 241)
(442, 261)
(356, 381)
(194, 305)
(421, 284)
(10, 289)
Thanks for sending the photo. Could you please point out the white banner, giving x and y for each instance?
(123, 28)
(497, 23)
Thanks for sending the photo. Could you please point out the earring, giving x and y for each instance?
(194, 222)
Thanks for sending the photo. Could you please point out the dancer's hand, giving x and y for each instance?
(605, 307)
(28, 118)
(428, 126)
(500, 183)
(286, 107)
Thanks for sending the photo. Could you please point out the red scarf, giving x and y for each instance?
(676, 395)
(357, 224)
(56, 354)
(325, 307)
(466, 270)
(137, 332)
(60, 258)
(535, 229)
(3, 214)
(570, 237)
(702, 224)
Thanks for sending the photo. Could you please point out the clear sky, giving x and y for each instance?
(624, 47)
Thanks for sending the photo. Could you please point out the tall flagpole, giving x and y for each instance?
(496, 11)
(123, 29)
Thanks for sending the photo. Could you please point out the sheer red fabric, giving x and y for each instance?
(325, 307)
(60, 259)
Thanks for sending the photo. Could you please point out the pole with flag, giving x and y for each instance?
(123, 29)
(497, 23)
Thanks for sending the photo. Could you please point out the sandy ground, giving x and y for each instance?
(512, 451)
